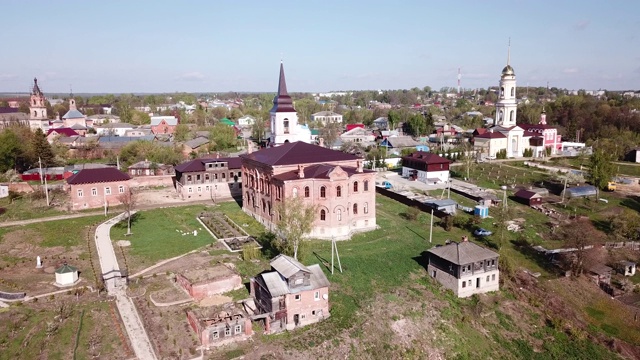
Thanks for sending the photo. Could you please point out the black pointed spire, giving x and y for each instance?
(282, 102)
(36, 89)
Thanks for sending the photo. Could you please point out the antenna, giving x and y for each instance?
(509, 52)
(459, 76)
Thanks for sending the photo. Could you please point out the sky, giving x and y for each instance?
(218, 46)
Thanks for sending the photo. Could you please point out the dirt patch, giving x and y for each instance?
(123, 243)
(214, 300)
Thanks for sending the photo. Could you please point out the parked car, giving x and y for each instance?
(482, 232)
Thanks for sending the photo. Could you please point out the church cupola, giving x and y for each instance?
(282, 101)
(506, 106)
(36, 89)
(543, 117)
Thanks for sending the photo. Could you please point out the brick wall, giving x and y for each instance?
(83, 196)
(305, 307)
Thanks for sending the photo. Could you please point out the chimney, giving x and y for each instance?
(359, 166)
(300, 171)
(321, 142)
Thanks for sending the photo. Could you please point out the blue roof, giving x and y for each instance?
(73, 114)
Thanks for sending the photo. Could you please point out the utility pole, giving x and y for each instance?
(46, 190)
(334, 247)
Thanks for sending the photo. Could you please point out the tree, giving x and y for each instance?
(128, 200)
(41, 149)
(258, 129)
(601, 168)
(625, 226)
(223, 137)
(330, 133)
(10, 150)
(181, 133)
(580, 234)
(295, 220)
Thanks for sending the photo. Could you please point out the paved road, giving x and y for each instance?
(130, 317)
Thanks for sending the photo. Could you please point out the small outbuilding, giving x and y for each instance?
(528, 197)
(626, 268)
(66, 275)
(202, 283)
(446, 205)
(481, 211)
(600, 274)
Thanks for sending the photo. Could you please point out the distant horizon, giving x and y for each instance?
(156, 47)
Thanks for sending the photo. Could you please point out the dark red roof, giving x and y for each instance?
(90, 176)
(427, 158)
(491, 135)
(298, 153)
(526, 194)
(531, 134)
(354, 126)
(282, 102)
(199, 164)
(63, 131)
(319, 171)
(8, 110)
(480, 131)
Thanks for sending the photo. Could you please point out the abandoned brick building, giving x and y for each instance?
(465, 268)
(200, 283)
(220, 325)
(291, 295)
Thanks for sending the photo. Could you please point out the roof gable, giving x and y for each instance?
(287, 266)
(297, 153)
(427, 158)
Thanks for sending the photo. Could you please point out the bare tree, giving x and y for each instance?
(581, 235)
(128, 200)
(295, 220)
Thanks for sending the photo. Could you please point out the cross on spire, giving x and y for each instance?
(509, 52)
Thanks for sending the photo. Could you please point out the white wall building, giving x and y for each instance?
(66, 275)
(325, 117)
(284, 118)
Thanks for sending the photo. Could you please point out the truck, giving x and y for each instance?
(611, 186)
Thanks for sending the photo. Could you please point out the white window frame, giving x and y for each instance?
(227, 332)
(94, 191)
(107, 190)
(297, 297)
(238, 329)
(80, 193)
(316, 295)
(216, 334)
(121, 189)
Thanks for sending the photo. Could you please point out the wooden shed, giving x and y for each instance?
(528, 197)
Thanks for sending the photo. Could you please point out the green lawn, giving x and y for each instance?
(158, 233)
(67, 233)
(492, 176)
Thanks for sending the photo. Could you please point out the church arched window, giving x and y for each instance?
(511, 115)
(502, 92)
(35, 113)
(513, 91)
(286, 126)
(500, 116)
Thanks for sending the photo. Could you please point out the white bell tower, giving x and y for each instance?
(284, 118)
(506, 106)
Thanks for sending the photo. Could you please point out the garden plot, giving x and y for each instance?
(226, 231)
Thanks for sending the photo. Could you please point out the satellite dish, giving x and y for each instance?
(325, 296)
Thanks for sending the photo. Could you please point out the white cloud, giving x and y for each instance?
(570, 71)
(191, 76)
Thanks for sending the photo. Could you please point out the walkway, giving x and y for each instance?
(118, 288)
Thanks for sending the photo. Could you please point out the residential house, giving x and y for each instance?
(353, 126)
(138, 132)
(10, 116)
(163, 124)
(103, 119)
(95, 188)
(56, 133)
(335, 182)
(397, 143)
(113, 129)
(246, 120)
(358, 135)
(381, 123)
(209, 178)
(426, 167)
(196, 145)
(465, 268)
(528, 197)
(219, 325)
(291, 295)
(633, 155)
(325, 117)
(149, 168)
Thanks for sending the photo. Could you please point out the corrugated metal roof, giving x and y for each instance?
(463, 253)
(64, 269)
(287, 266)
(73, 114)
(297, 153)
(275, 284)
(90, 176)
(170, 120)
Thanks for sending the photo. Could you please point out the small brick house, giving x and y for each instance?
(209, 178)
(465, 268)
(292, 295)
(163, 124)
(203, 283)
(220, 325)
(92, 188)
(426, 167)
(149, 168)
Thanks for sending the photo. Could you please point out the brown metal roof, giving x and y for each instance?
(90, 176)
(319, 171)
(463, 253)
(200, 164)
(427, 158)
(282, 101)
(298, 153)
(526, 194)
(491, 135)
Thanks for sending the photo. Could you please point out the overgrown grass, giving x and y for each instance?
(67, 233)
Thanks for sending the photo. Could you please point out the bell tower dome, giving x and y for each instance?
(506, 106)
